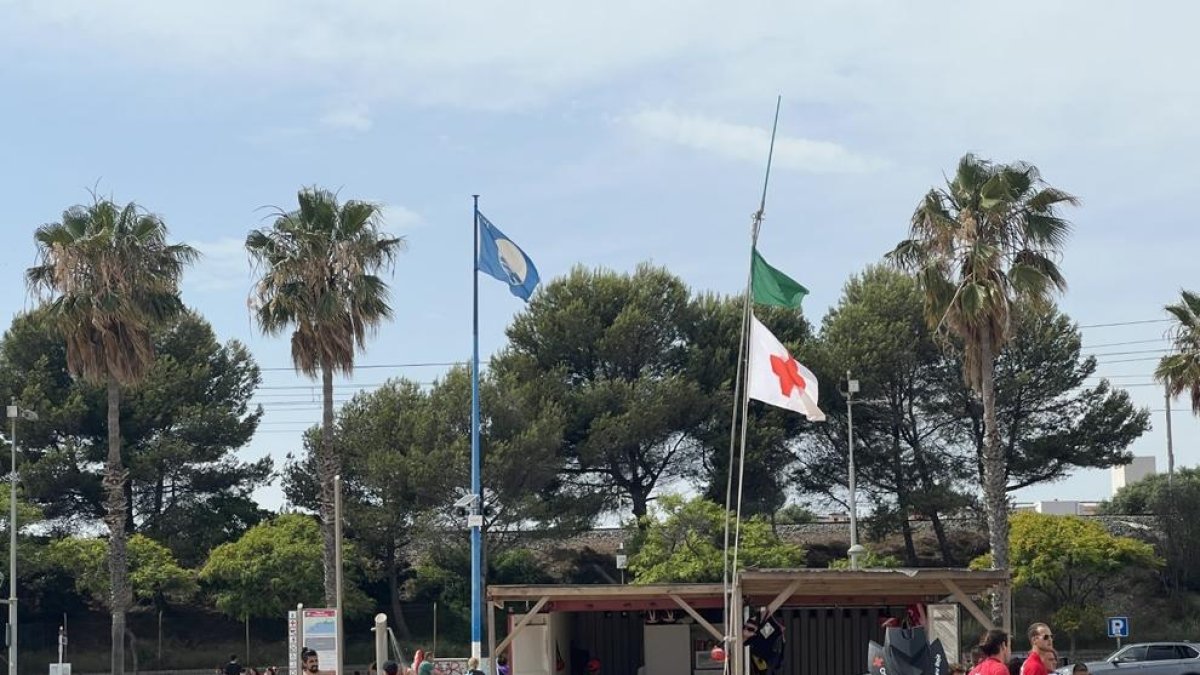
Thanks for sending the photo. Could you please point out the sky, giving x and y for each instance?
(604, 135)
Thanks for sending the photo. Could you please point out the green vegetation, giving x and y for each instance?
(612, 390)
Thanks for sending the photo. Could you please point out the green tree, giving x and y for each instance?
(179, 431)
(109, 277)
(1175, 502)
(319, 278)
(794, 514)
(155, 576)
(405, 452)
(443, 575)
(273, 566)
(393, 475)
(905, 460)
(608, 353)
(524, 489)
(984, 243)
(1070, 561)
(1051, 421)
(683, 541)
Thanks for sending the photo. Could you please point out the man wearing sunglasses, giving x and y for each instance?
(1041, 652)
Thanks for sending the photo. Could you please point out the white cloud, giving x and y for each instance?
(223, 266)
(399, 219)
(892, 74)
(748, 143)
(898, 67)
(350, 118)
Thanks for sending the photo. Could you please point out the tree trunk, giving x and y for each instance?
(327, 468)
(641, 507)
(130, 525)
(118, 564)
(910, 547)
(939, 530)
(133, 649)
(394, 593)
(995, 481)
(903, 503)
(160, 490)
(929, 485)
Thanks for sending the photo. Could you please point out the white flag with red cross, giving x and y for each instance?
(777, 378)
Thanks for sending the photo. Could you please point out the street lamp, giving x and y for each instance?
(856, 549)
(14, 412)
(622, 560)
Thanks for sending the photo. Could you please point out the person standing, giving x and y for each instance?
(1041, 650)
(996, 651)
(233, 667)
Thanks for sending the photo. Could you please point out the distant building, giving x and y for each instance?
(1057, 507)
(1136, 470)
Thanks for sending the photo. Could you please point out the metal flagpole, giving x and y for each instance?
(476, 468)
(742, 401)
(341, 610)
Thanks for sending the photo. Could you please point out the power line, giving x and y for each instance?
(347, 385)
(1123, 323)
(1127, 342)
(1148, 358)
(370, 366)
(1136, 351)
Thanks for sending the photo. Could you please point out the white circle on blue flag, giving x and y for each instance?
(513, 260)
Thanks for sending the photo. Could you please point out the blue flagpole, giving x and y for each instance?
(476, 464)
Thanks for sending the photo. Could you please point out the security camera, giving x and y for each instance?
(466, 501)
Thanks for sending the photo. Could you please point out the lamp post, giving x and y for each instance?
(14, 412)
(856, 549)
(622, 560)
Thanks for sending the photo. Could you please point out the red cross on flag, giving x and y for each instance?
(777, 378)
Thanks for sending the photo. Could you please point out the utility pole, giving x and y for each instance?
(14, 412)
(855, 549)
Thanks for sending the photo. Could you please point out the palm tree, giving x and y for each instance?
(319, 268)
(987, 241)
(108, 277)
(1180, 371)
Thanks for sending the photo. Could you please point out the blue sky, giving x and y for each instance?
(605, 135)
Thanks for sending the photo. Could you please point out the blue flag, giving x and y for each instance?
(501, 258)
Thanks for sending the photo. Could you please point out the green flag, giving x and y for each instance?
(772, 287)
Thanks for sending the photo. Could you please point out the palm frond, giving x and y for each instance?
(989, 238)
(108, 277)
(319, 275)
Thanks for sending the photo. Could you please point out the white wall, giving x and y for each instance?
(530, 650)
(1139, 468)
(1057, 508)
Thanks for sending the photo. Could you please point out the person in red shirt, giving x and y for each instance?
(976, 659)
(1041, 650)
(996, 650)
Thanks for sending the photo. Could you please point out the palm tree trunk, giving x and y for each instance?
(118, 564)
(327, 468)
(995, 479)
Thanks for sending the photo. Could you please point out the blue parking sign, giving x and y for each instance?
(1118, 626)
